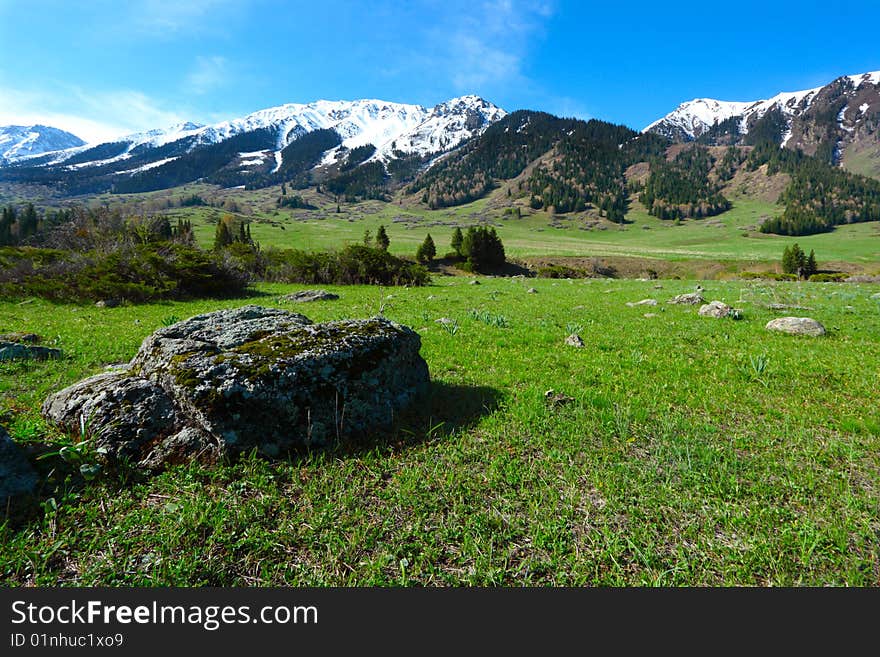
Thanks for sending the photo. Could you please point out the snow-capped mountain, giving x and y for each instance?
(17, 141)
(854, 99)
(257, 143)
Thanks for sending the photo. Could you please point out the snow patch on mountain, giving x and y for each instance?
(18, 141)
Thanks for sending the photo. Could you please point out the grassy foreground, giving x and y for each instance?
(693, 451)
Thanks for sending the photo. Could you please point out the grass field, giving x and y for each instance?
(731, 236)
(693, 451)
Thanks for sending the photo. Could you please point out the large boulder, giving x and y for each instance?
(17, 477)
(796, 326)
(248, 378)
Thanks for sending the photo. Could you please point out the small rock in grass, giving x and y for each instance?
(531, 290)
(557, 398)
(643, 302)
(574, 340)
(21, 337)
(305, 296)
(649, 315)
(17, 351)
(796, 326)
(475, 282)
(717, 309)
(692, 298)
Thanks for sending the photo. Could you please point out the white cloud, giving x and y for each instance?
(485, 47)
(209, 74)
(94, 117)
(168, 17)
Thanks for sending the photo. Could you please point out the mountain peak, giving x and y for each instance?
(17, 141)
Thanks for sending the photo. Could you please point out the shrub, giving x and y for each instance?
(354, 265)
(827, 278)
(143, 272)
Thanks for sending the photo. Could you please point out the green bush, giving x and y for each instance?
(827, 278)
(354, 265)
(137, 273)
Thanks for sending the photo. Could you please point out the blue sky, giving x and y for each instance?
(103, 68)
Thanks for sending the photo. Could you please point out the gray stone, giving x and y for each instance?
(21, 337)
(691, 298)
(18, 351)
(108, 303)
(17, 477)
(304, 296)
(531, 290)
(249, 378)
(876, 295)
(475, 282)
(716, 309)
(649, 315)
(643, 302)
(574, 340)
(796, 326)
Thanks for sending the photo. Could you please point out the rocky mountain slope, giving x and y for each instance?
(18, 141)
(252, 149)
(837, 122)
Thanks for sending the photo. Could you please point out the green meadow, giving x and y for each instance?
(673, 449)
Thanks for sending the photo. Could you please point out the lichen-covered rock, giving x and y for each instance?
(796, 326)
(248, 378)
(304, 296)
(17, 477)
(716, 309)
(691, 298)
(126, 416)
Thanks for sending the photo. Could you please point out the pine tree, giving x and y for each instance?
(382, 241)
(27, 222)
(811, 267)
(368, 238)
(483, 249)
(457, 241)
(788, 264)
(426, 251)
(222, 234)
(794, 260)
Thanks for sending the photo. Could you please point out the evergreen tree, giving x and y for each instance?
(368, 238)
(222, 234)
(426, 251)
(811, 267)
(7, 218)
(457, 241)
(794, 260)
(27, 222)
(483, 249)
(382, 241)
